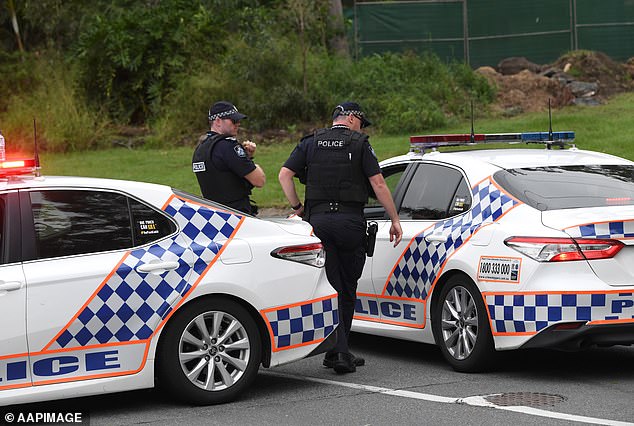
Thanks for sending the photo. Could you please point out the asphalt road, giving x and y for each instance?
(402, 383)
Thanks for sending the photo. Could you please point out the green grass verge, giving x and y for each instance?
(608, 128)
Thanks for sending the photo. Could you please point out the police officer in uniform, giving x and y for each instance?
(337, 165)
(224, 168)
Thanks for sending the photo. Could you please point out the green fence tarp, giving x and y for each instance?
(483, 32)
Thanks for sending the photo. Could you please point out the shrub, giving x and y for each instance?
(64, 121)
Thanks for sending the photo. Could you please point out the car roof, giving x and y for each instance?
(23, 182)
(514, 158)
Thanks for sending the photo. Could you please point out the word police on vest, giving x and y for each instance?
(330, 144)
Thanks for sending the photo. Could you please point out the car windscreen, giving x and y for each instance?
(567, 187)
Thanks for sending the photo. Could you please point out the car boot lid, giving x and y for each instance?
(601, 223)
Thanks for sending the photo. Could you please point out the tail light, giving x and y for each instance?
(564, 249)
(309, 254)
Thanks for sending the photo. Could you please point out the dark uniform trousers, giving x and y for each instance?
(343, 237)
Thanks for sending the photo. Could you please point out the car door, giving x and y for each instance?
(96, 271)
(13, 343)
(368, 305)
(430, 195)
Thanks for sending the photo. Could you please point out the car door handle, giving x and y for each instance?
(11, 286)
(436, 238)
(153, 267)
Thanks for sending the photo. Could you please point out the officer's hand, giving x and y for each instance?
(249, 147)
(299, 212)
(396, 233)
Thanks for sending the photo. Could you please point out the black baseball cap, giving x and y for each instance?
(224, 109)
(347, 108)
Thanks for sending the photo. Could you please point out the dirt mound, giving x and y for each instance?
(596, 67)
(581, 78)
(525, 91)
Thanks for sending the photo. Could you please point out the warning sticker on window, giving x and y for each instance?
(148, 227)
(506, 269)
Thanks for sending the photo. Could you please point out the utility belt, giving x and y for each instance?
(336, 207)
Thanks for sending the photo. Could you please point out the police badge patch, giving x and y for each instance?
(240, 151)
(372, 152)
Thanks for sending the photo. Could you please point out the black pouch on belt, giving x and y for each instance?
(371, 231)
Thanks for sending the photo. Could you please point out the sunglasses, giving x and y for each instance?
(233, 120)
(361, 118)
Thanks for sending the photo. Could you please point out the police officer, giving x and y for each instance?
(224, 168)
(336, 165)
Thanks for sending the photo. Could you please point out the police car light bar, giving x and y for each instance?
(467, 139)
(17, 167)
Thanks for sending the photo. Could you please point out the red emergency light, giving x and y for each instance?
(17, 167)
(466, 139)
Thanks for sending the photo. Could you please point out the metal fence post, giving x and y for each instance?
(575, 44)
(356, 32)
(465, 31)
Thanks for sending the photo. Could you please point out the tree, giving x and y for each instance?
(338, 40)
(14, 22)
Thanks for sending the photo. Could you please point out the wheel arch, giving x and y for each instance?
(259, 321)
(441, 283)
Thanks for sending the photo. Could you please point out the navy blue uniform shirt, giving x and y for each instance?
(227, 156)
(297, 161)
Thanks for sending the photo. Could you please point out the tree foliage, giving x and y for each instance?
(163, 62)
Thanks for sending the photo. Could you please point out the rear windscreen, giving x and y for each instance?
(567, 187)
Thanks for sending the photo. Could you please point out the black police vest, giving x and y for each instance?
(334, 171)
(222, 186)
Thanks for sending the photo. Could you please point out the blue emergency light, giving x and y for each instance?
(467, 139)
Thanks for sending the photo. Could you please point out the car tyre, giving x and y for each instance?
(211, 352)
(461, 326)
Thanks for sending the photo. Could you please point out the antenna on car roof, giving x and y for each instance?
(472, 132)
(550, 126)
(36, 153)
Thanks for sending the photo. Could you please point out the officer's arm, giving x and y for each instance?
(257, 177)
(385, 198)
(288, 186)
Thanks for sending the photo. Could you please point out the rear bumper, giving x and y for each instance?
(583, 337)
(547, 319)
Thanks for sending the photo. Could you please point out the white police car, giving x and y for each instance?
(108, 285)
(504, 249)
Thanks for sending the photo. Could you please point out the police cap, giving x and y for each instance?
(224, 109)
(348, 108)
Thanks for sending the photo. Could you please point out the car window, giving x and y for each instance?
(461, 201)
(149, 224)
(435, 192)
(565, 187)
(392, 176)
(70, 222)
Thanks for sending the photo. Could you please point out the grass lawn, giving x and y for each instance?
(608, 128)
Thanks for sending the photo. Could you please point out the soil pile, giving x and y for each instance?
(578, 78)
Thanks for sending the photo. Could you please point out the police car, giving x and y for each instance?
(109, 285)
(504, 248)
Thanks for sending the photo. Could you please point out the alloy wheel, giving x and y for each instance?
(214, 350)
(459, 322)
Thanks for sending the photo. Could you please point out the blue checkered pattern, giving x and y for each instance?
(521, 313)
(417, 269)
(310, 322)
(131, 305)
(615, 230)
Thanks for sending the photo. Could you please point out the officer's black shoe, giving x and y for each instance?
(344, 363)
(329, 360)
